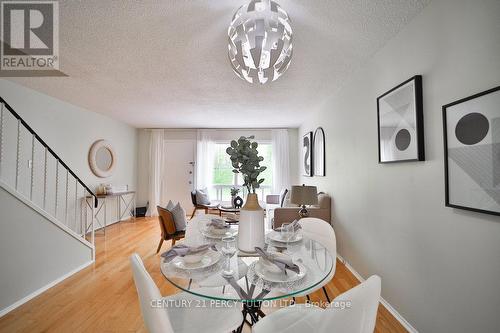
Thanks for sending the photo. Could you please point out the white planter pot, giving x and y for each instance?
(251, 225)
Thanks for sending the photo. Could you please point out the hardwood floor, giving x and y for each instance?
(102, 297)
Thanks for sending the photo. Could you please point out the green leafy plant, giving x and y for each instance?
(234, 191)
(245, 159)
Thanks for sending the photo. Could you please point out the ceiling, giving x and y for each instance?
(164, 63)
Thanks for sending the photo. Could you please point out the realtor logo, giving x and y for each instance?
(30, 36)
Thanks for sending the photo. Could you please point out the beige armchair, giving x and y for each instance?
(321, 211)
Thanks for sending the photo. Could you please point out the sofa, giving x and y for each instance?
(289, 212)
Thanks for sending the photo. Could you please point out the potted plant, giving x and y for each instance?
(234, 193)
(245, 160)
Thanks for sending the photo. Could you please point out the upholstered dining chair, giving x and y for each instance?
(167, 227)
(359, 317)
(198, 206)
(160, 314)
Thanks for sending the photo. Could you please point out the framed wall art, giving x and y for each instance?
(307, 152)
(472, 152)
(400, 123)
(319, 152)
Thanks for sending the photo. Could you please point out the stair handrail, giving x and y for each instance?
(46, 146)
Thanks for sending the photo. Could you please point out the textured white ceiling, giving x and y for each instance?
(164, 63)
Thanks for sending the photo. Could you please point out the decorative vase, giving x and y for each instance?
(251, 225)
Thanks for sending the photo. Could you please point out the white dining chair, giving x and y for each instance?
(190, 315)
(321, 231)
(359, 317)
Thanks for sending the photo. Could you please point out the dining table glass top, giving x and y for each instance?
(245, 277)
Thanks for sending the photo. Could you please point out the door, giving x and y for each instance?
(180, 172)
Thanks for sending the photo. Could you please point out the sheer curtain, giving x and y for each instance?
(205, 152)
(281, 160)
(157, 166)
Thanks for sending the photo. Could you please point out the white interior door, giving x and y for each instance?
(180, 172)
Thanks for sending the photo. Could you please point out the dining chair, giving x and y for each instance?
(321, 231)
(181, 312)
(359, 317)
(167, 227)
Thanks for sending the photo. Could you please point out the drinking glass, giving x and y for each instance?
(286, 233)
(228, 249)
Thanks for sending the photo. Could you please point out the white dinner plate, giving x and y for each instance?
(281, 277)
(276, 236)
(208, 259)
(207, 232)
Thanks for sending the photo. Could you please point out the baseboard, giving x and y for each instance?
(37, 292)
(386, 304)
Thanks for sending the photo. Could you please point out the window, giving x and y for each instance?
(224, 178)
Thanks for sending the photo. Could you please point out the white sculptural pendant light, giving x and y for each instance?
(260, 41)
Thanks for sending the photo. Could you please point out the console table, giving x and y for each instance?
(127, 199)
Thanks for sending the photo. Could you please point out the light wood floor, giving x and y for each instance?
(102, 297)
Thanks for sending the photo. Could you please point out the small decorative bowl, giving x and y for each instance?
(193, 258)
(219, 231)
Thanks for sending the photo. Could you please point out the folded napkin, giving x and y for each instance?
(218, 224)
(294, 227)
(281, 262)
(182, 250)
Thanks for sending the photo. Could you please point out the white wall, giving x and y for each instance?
(439, 266)
(69, 131)
(190, 134)
(33, 251)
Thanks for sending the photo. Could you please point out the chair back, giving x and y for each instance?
(155, 318)
(193, 198)
(167, 223)
(361, 316)
(321, 231)
(282, 198)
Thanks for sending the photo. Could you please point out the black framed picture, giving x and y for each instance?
(472, 152)
(307, 152)
(319, 152)
(400, 120)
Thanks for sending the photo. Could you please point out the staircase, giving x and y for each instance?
(44, 208)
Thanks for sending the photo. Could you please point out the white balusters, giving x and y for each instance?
(57, 188)
(18, 155)
(76, 203)
(66, 201)
(45, 181)
(32, 166)
(1, 139)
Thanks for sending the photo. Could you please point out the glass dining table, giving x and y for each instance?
(250, 281)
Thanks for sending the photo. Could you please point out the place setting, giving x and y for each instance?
(287, 233)
(278, 267)
(217, 228)
(191, 259)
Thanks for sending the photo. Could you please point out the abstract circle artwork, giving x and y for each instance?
(403, 139)
(472, 128)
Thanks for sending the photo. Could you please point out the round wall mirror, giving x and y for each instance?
(102, 158)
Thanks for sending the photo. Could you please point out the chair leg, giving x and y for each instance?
(206, 211)
(173, 241)
(194, 212)
(159, 246)
(326, 294)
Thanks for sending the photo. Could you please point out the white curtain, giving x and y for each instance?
(157, 166)
(281, 160)
(205, 154)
